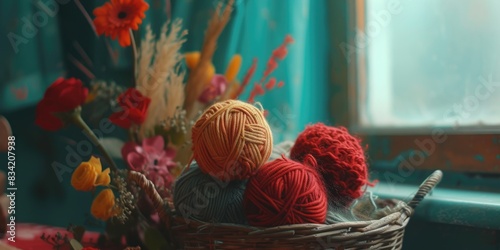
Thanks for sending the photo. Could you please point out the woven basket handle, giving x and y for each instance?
(425, 188)
(150, 190)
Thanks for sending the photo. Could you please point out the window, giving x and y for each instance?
(431, 65)
(424, 82)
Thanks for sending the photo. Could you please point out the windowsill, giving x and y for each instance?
(424, 129)
(449, 206)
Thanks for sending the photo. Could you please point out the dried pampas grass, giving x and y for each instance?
(175, 93)
(158, 74)
(195, 84)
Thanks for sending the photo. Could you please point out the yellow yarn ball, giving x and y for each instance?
(231, 140)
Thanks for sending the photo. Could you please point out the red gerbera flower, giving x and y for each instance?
(117, 17)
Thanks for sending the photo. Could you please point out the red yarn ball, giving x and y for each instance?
(285, 192)
(341, 160)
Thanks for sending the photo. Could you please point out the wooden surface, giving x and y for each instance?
(478, 153)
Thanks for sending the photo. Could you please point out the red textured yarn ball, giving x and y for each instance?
(285, 192)
(341, 160)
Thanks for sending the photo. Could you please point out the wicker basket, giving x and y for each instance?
(384, 233)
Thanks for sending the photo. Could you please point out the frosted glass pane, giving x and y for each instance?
(431, 63)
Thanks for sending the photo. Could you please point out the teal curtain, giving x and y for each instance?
(256, 28)
(30, 52)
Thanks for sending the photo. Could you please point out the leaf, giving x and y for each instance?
(177, 137)
(154, 240)
(160, 130)
(78, 232)
(172, 135)
(113, 146)
(75, 244)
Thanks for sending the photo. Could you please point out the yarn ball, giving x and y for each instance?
(231, 140)
(202, 197)
(341, 160)
(285, 192)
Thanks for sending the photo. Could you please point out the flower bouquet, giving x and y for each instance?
(171, 89)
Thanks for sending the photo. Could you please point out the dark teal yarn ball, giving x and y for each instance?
(202, 197)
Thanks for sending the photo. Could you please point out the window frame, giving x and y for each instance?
(460, 149)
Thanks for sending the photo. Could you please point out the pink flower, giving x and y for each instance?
(152, 159)
(217, 86)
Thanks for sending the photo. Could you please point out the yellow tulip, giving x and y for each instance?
(89, 174)
(103, 206)
(84, 177)
(233, 68)
(192, 59)
(103, 178)
(96, 163)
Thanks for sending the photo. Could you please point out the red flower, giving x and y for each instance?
(117, 17)
(90, 248)
(134, 109)
(63, 95)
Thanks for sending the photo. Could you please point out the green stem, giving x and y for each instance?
(76, 119)
(131, 135)
(134, 57)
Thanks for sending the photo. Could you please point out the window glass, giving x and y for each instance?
(430, 63)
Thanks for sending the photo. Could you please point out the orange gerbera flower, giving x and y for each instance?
(117, 17)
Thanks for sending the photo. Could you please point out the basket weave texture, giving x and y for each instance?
(384, 233)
